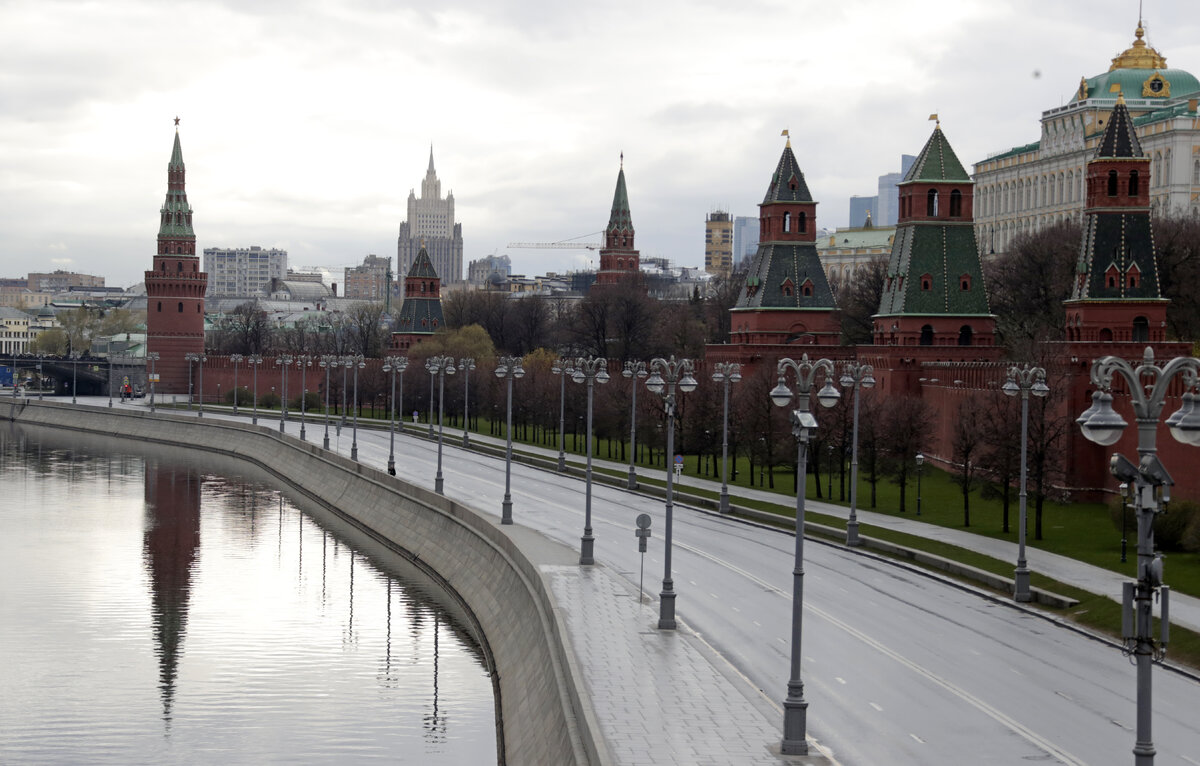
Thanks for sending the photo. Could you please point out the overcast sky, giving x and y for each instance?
(304, 123)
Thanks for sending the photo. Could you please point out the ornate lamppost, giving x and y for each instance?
(237, 360)
(665, 374)
(199, 358)
(804, 425)
(191, 357)
(152, 357)
(255, 361)
(1023, 381)
(395, 364)
(439, 367)
(42, 381)
(303, 361)
(74, 373)
(591, 370)
(356, 361)
(858, 376)
(284, 361)
(508, 367)
(562, 368)
(1150, 484)
(465, 366)
(328, 361)
(920, 461)
(633, 371)
(726, 373)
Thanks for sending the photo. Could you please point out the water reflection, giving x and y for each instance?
(164, 607)
(171, 542)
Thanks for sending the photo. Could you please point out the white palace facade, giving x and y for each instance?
(1031, 187)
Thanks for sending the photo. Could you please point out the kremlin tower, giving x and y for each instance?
(175, 286)
(620, 263)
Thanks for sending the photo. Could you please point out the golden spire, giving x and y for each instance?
(1139, 55)
(936, 119)
(789, 137)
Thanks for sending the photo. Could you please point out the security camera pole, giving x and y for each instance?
(1150, 484)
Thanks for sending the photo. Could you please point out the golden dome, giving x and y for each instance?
(1139, 55)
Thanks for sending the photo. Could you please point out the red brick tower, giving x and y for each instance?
(175, 287)
(620, 263)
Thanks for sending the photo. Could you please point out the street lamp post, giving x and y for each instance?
(562, 368)
(199, 359)
(255, 360)
(1022, 381)
(190, 357)
(110, 373)
(283, 362)
(725, 373)
(509, 367)
(328, 361)
(432, 387)
(465, 366)
(591, 370)
(357, 363)
(856, 376)
(41, 380)
(920, 461)
(439, 367)
(152, 357)
(395, 364)
(237, 360)
(665, 374)
(633, 371)
(1150, 484)
(74, 374)
(804, 425)
(303, 361)
(344, 361)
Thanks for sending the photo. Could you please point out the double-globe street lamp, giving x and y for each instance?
(284, 362)
(725, 373)
(1024, 381)
(303, 361)
(665, 375)
(328, 361)
(152, 357)
(591, 371)
(633, 371)
(562, 368)
(358, 362)
(74, 374)
(858, 376)
(920, 461)
(199, 358)
(237, 361)
(1149, 483)
(255, 361)
(804, 425)
(439, 367)
(394, 365)
(508, 367)
(466, 365)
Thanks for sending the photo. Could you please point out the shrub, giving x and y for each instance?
(269, 400)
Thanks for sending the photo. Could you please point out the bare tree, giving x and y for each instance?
(859, 300)
(968, 445)
(366, 330)
(907, 427)
(1028, 284)
(1001, 456)
(245, 330)
(1177, 242)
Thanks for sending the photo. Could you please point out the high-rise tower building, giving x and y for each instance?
(745, 239)
(718, 243)
(430, 226)
(175, 286)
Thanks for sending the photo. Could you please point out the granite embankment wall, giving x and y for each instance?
(541, 716)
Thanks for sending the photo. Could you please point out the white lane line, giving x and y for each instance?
(996, 715)
(914, 736)
(839, 680)
(877, 708)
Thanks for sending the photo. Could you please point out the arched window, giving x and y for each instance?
(931, 203)
(802, 223)
(181, 307)
(787, 222)
(1106, 335)
(1141, 330)
(1133, 183)
(927, 335)
(160, 307)
(964, 282)
(965, 335)
(955, 203)
(1112, 183)
(926, 282)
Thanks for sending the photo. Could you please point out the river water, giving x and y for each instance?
(165, 606)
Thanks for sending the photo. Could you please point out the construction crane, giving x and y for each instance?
(564, 244)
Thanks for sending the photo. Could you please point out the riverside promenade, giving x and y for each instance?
(653, 696)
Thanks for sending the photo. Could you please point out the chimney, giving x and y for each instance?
(333, 288)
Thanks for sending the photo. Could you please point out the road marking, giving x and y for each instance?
(996, 715)
(877, 708)
(1189, 760)
(839, 680)
(714, 595)
(780, 640)
(757, 624)
(1064, 696)
(914, 736)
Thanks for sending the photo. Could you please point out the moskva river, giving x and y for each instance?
(164, 606)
